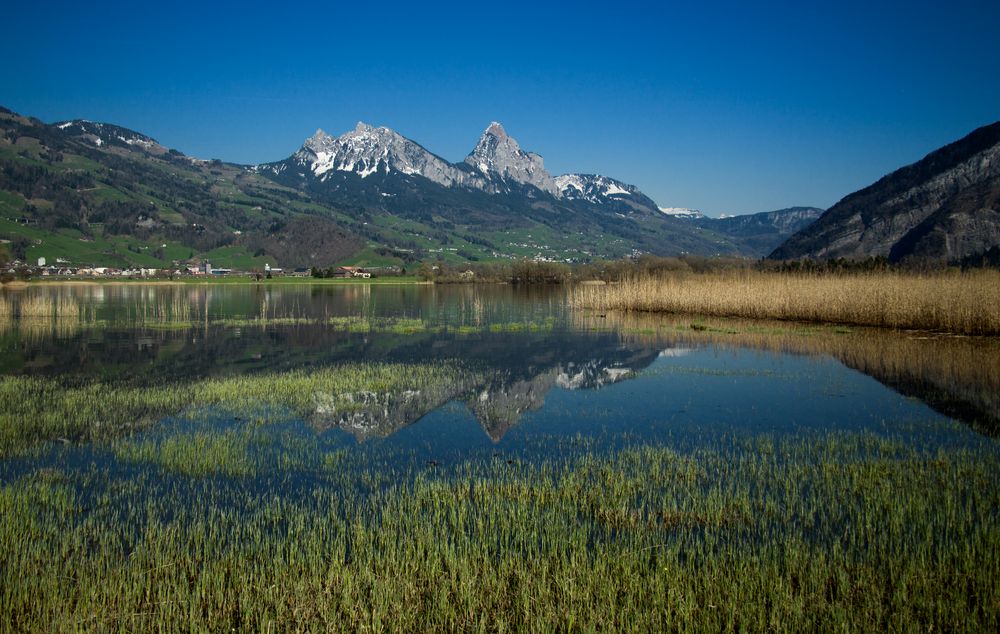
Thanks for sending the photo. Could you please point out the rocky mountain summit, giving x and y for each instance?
(367, 150)
(496, 165)
(500, 159)
(944, 207)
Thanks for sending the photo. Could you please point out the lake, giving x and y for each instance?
(202, 431)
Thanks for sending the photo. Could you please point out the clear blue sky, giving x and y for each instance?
(725, 107)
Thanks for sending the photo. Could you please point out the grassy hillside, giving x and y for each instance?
(71, 195)
(85, 193)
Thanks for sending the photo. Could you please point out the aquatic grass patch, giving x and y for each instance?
(242, 449)
(193, 453)
(408, 325)
(35, 410)
(261, 322)
(393, 325)
(825, 532)
(517, 326)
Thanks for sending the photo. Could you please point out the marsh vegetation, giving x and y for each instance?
(839, 531)
(442, 458)
(35, 410)
(950, 301)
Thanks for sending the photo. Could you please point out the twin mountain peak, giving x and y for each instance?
(945, 206)
(497, 165)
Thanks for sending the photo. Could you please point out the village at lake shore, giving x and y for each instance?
(194, 269)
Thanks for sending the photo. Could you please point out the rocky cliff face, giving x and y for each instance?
(945, 206)
(500, 159)
(781, 221)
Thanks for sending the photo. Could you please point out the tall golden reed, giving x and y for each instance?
(951, 301)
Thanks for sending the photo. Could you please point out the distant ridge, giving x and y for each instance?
(681, 212)
(944, 207)
(762, 231)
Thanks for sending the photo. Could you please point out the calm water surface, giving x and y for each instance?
(545, 375)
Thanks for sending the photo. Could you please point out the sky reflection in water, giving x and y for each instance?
(544, 371)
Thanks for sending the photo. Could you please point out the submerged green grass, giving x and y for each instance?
(252, 524)
(832, 532)
(35, 410)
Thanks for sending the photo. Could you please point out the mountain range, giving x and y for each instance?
(87, 192)
(497, 166)
(501, 189)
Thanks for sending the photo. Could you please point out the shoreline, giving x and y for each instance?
(21, 284)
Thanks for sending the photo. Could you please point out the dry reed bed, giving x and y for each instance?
(965, 303)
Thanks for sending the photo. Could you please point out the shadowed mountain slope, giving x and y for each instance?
(943, 207)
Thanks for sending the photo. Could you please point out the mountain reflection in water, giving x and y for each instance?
(519, 345)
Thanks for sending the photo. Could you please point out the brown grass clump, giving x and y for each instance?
(958, 302)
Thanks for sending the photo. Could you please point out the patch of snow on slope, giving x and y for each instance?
(612, 189)
(323, 163)
(681, 212)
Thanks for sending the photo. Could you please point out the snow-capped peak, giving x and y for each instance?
(591, 187)
(368, 150)
(602, 190)
(497, 165)
(682, 212)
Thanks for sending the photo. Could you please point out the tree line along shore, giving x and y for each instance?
(921, 296)
(873, 293)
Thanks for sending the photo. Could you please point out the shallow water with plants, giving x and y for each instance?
(484, 458)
